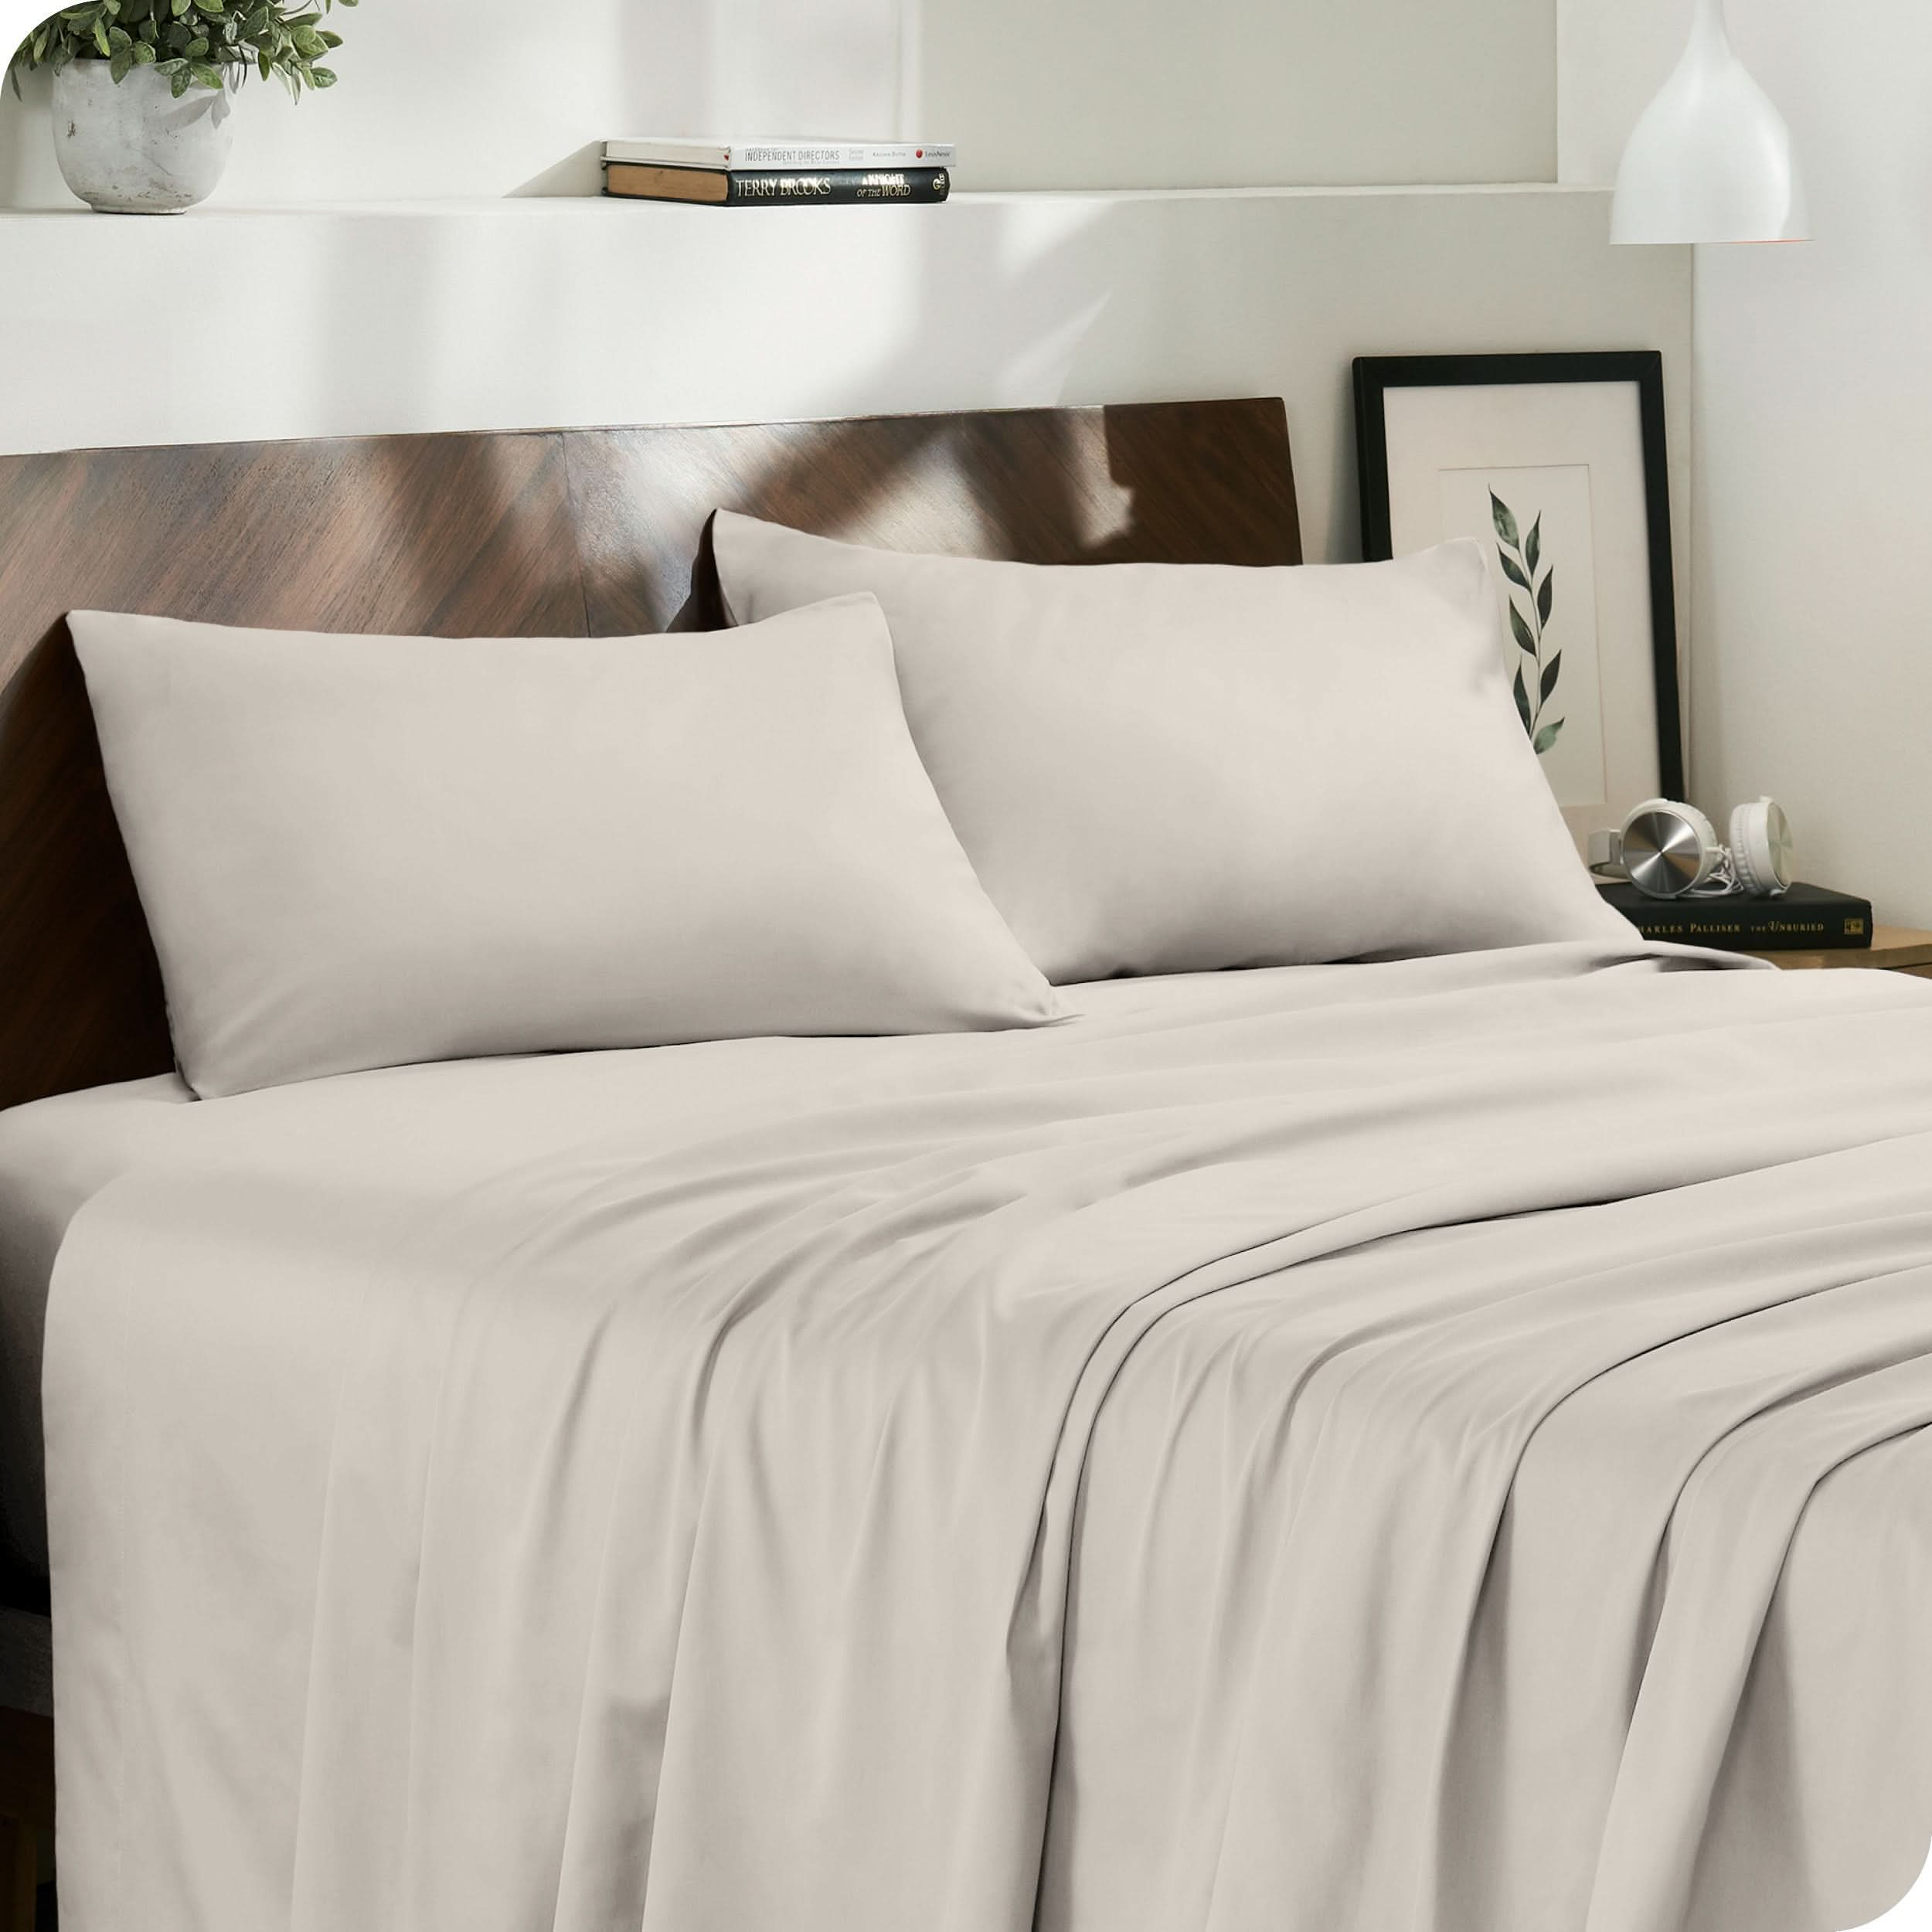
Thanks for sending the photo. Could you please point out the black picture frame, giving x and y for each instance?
(1374, 375)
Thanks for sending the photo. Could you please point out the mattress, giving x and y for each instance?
(1441, 1445)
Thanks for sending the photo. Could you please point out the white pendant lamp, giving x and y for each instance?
(1711, 161)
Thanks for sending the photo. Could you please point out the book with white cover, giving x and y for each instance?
(665, 151)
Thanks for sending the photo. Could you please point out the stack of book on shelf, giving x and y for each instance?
(1808, 919)
(770, 174)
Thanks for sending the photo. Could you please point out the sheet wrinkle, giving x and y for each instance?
(1753, 1396)
(1291, 1407)
(1655, 1825)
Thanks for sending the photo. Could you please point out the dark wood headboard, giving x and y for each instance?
(562, 533)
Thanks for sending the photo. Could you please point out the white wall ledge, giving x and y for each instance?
(530, 207)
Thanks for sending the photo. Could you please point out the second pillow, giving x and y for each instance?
(1164, 768)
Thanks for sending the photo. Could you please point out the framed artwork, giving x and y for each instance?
(1557, 466)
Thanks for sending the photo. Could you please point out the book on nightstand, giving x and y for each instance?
(776, 187)
(666, 150)
(1806, 919)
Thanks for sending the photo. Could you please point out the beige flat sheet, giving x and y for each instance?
(1431, 1448)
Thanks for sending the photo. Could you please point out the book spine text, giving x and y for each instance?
(836, 186)
(1830, 933)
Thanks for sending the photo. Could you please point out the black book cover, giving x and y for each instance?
(780, 188)
(1806, 919)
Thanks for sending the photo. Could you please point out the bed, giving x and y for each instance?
(1438, 1444)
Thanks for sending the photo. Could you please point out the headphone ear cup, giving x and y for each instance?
(1669, 848)
(1711, 853)
(1761, 838)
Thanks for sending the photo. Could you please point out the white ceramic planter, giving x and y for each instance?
(134, 149)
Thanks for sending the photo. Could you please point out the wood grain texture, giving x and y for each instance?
(557, 534)
(1894, 949)
(1145, 483)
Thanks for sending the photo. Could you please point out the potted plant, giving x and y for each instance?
(142, 89)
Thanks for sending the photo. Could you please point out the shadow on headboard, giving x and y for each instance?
(598, 532)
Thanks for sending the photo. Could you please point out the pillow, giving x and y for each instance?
(1161, 768)
(358, 852)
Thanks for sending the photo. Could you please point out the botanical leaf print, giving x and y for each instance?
(1521, 559)
(1505, 521)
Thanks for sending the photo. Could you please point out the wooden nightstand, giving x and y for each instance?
(26, 1766)
(1894, 949)
(26, 1814)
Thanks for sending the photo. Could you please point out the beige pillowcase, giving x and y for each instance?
(360, 851)
(1163, 768)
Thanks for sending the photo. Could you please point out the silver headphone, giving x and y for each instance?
(1671, 851)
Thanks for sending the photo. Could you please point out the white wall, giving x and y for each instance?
(460, 96)
(1148, 93)
(1813, 550)
(519, 313)
(1612, 56)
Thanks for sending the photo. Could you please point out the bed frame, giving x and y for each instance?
(575, 532)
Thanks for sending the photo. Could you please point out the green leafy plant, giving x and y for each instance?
(1522, 558)
(195, 43)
